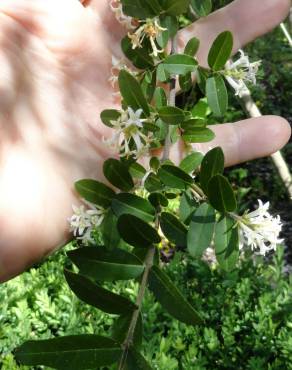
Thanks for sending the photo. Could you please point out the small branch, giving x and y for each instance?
(171, 103)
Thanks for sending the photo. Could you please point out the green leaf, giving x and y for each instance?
(171, 25)
(201, 230)
(217, 95)
(179, 64)
(175, 7)
(158, 199)
(191, 162)
(192, 47)
(137, 232)
(187, 206)
(171, 115)
(135, 361)
(109, 115)
(140, 57)
(212, 164)
(193, 124)
(221, 194)
(226, 244)
(171, 298)
(118, 174)
(100, 264)
(95, 192)
(202, 7)
(160, 98)
(74, 352)
(96, 296)
(132, 93)
(153, 183)
(161, 74)
(201, 110)
(110, 235)
(220, 51)
(137, 170)
(186, 82)
(174, 177)
(198, 135)
(141, 9)
(134, 205)
(121, 326)
(174, 230)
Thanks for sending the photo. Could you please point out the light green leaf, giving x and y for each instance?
(191, 162)
(202, 7)
(171, 115)
(198, 135)
(192, 47)
(220, 51)
(179, 64)
(160, 98)
(217, 95)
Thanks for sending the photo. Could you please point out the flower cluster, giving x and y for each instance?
(241, 71)
(259, 229)
(84, 221)
(129, 138)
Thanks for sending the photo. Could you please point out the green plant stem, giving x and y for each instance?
(171, 103)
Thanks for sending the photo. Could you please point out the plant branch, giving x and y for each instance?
(171, 103)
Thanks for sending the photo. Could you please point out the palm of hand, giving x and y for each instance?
(55, 63)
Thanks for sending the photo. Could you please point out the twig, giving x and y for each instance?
(286, 33)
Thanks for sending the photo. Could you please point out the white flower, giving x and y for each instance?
(84, 221)
(117, 66)
(259, 229)
(125, 20)
(129, 127)
(241, 71)
(150, 29)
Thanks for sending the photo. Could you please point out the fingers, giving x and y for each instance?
(246, 19)
(249, 139)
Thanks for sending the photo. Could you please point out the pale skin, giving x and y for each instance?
(55, 60)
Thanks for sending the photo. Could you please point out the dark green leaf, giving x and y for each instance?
(179, 64)
(121, 326)
(171, 298)
(118, 174)
(212, 164)
(192, 47)
(201, 230)
(202, 7)
(133, 205)
(95, 192)
(109, 115)
(137, 170)
(137, 232)
(171, 115)
(226, 244)
(174, 230)
(153, 183)
(221, 195)
(187, 206)
(171, 25)
(191, 162)
(140, 57)
(141, 9)
(185, 82)
(132, 93)
(217, 95)
(96, 296)
(135, 361)
(73, 352)
(154, 163)
(220, 51)
(198, 135)
(175, 7)
(100, 264)
(158, 199)
(174, 177)
(110, 235)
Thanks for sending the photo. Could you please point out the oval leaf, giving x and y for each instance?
(174, 177)
(221, 195)
(192, 47)
(171, 115)
(220, 51)
(191, 162)
(217, 95)
(109, 115)
(212, 164)
(140, 57)
(118, 174)
(95, 192)
(175, 7)
(171, 298)
(198, 135)
(174, 230)
(73, 352)
(110, 235)
(137, 232)
(98, 297)
(179, 64)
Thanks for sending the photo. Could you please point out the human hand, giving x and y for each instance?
(55, 61)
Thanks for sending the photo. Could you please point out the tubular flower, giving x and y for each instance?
(123, 19)
(151, 29)
(241, 71)
(128, 129)
(84, 221)
(259, 229)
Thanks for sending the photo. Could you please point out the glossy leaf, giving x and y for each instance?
(121, 326)
(109, 115)
(95, 192)
(171, 115)
(96, 296)
(118, 174)
(132, 93)
(192, 47)
(191, 162)
(171, 298)
(110, 235)
(174, 177)
(217, 95)
(100, 264)
(161, 73)
(174, 230)
(201, 230)
(201, 110)
(74, 352)
(198, 135)
(137, 232)
(220, 51)
(212, 164)
(134, 205)
(221, 195)
(179, 64)
(226, 244)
